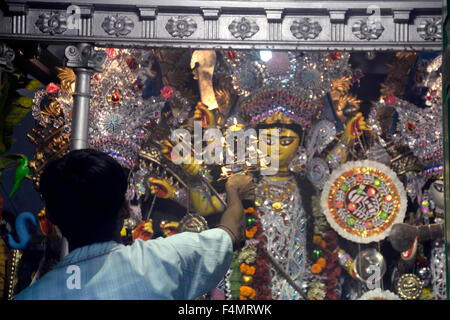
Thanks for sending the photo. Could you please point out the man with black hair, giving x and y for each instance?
(84, 194)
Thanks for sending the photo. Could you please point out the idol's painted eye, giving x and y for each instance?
(439, 187)
(286, 141)
(268, 140)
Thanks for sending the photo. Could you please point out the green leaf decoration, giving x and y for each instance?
(33, 85)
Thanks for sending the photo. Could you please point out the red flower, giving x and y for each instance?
(334, 55)
(52, 88)
(111, 53)
(231, 55)
(390, 99)
(167, 92)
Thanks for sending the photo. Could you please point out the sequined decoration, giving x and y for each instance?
(362, 200)
(309, 72)
(267, 101)
(284, 226)
(421, 130)
(247, 72)
(320, 136)
(118, 110)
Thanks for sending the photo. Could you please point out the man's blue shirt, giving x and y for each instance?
(183, 266)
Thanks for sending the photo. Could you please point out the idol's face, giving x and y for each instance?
(437, 193)
(287, 146)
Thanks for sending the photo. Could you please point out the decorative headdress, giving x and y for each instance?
(278, 105)
(288, 87)
(119, 113)
(310, 73)
(51, 109)
(419, 129)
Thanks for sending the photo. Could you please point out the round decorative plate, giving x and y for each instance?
(362, 200)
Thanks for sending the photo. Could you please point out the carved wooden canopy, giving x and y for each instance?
(290, 25)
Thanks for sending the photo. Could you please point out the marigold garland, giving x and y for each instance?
(327, 264)
(332, 271)
(254, 269)
(247, 270)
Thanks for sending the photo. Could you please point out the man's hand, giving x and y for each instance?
(242, 185)
(238, 187)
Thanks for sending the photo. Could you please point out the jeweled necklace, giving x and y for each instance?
(278, 192)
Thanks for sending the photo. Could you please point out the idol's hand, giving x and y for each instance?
(190, 168)
(166, 149)
(355, 126)
(203, 114)
(162, 188)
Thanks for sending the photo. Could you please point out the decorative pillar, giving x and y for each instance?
(337, 19)
(401, 20)
(19, 18)
(148, 18)
(211, 17)
(84, 60)
(275, 18)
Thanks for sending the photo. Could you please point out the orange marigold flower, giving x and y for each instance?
(323, 244)
(322, 262)
(316, 268)
(248, 292)
(250, 233)
(317, 239)
(248, 270)
(249, 210)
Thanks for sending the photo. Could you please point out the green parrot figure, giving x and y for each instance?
(22, 171)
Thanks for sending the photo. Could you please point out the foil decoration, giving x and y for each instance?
(438, 269)
(284, 226)
(421, 130)
(319, 137)
(362, 200)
